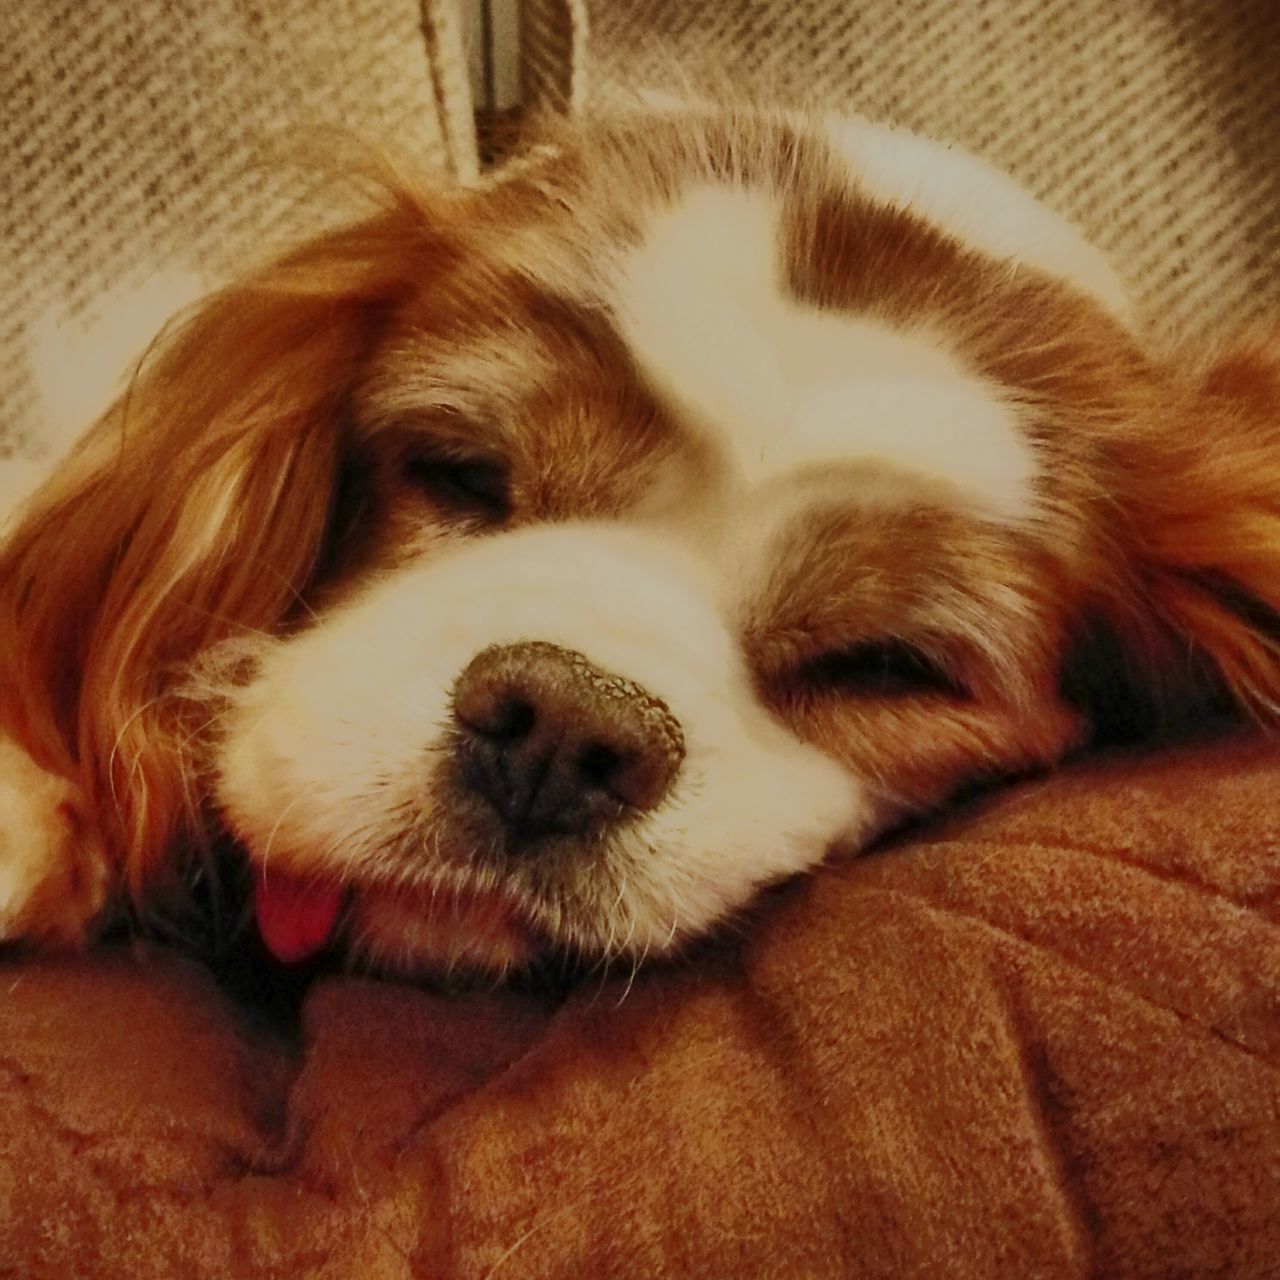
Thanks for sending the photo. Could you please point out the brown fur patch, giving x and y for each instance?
(551, 393)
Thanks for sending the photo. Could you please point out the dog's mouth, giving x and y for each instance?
(432, 928)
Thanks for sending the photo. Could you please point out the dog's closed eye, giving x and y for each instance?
(880, 668)
(476, 488)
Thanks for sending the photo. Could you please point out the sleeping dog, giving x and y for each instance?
(550, 564)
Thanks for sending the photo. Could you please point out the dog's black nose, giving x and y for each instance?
(558, 747)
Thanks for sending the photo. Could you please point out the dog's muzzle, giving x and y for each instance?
(557, 747)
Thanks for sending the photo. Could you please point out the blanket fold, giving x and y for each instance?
(1040, 1039)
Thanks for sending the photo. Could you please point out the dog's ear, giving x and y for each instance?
(1192, 624)
(196, 510)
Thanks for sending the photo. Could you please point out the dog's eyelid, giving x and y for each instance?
(471, 484)
(886, 667)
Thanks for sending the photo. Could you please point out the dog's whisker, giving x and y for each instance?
(636, 963)
(671, 932)
(271, 835)
(293, 590)
(117, 743)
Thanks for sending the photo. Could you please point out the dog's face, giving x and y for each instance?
(689, 509)
(671, 581)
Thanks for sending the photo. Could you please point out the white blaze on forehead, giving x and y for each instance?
(975, 202)
(784, 385)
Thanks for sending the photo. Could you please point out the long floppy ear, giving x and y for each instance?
(1197, 626)
(197, 509)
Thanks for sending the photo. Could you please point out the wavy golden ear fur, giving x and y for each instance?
(1202, 514)
(195, 510)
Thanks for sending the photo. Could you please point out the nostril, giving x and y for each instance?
(515, 719)
(495, 712)
(636, 777)
(639, 778)
(598, 765)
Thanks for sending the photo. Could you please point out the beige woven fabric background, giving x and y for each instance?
(1155, 124)
(131, 135)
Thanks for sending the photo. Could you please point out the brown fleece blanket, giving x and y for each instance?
(1040, 1040)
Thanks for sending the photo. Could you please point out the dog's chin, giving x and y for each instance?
(441, 931)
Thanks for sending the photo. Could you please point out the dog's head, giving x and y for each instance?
(557, 562)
